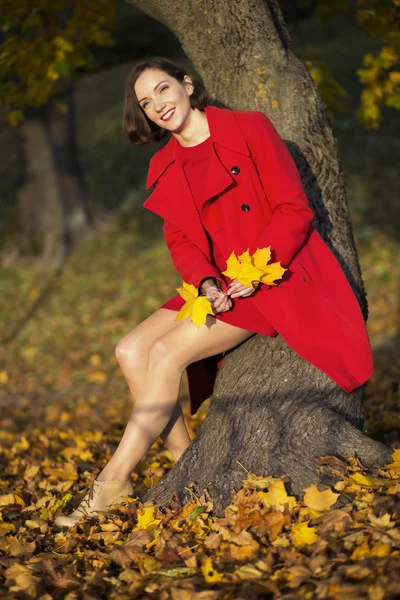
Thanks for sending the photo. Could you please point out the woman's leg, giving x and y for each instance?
(169, 356)
(132, 353)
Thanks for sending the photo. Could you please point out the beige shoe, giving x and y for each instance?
(100, 497)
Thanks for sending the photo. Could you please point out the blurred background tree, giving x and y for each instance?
(43, 46)
(379, 74)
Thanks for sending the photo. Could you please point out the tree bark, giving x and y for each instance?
(53, 209)
(270, 410)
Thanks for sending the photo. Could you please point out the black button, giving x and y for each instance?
(245, 207)
(304, 279)
(235, 170)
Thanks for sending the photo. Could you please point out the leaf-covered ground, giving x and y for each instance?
(65, 403)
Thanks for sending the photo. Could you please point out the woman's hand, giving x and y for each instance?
(238, 290)
(220, 302)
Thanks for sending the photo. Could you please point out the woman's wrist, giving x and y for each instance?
(208, 282)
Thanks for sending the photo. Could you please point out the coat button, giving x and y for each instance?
(245, 207)
(235, 170)
(304, 279)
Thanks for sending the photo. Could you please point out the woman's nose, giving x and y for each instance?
(159, 106)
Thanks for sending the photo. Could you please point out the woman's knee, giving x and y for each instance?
(131, 350)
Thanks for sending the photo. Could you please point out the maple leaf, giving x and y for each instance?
(125, 554)
(248, 269)
(210, 574)
(319, 500)
(303, 535)
(233, 266)
(146, 519)
(197, 307)
(277, 497)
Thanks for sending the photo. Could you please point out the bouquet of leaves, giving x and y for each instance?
(250, 269)
(247, 269)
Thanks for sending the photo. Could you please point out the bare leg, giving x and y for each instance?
(133, 356)
(155, 402)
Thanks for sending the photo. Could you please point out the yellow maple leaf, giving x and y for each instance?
(383, 521)
(249, 274)
(319, 500)
(261, 256)
(233, 266)
(277, 497)
(273, 271)
(249, 269)
(146, 519)
(245, 257)
(197, 307)
(187, 291)
(396, 460)
(210, 574)
(303, 535)
(281, 542)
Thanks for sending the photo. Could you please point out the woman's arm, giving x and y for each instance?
(292, 215)
(191, 263)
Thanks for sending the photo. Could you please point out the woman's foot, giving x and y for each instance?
(99, 498)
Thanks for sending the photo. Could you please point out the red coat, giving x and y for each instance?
(254, 198)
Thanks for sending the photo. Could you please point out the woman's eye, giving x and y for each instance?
(165, 87)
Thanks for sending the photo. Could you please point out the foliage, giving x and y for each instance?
(332, 93)
(267, 542)
(380, 74)
(250, 269)
(44, 45)
(197, 307)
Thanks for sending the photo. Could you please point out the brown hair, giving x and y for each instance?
(135, 124)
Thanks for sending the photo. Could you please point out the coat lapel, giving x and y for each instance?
(172, 198)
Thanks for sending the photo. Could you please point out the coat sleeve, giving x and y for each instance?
(190, 262)
(292, 215)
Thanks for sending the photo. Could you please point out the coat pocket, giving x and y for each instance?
(300, 275)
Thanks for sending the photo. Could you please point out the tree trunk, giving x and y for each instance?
(53, 210)
(270, 410)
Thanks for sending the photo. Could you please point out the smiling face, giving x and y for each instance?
(158, 93)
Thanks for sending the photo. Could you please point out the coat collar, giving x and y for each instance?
(224, 130)
(171, 198)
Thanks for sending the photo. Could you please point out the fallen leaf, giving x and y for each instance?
(302, 535)
(19, 578)
(210, 574)
(146, 519)
(125, 554)
(277, 497)
(319, 500)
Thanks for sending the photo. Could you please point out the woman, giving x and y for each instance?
(224, 182)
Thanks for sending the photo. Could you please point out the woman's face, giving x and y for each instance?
(158, 93)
